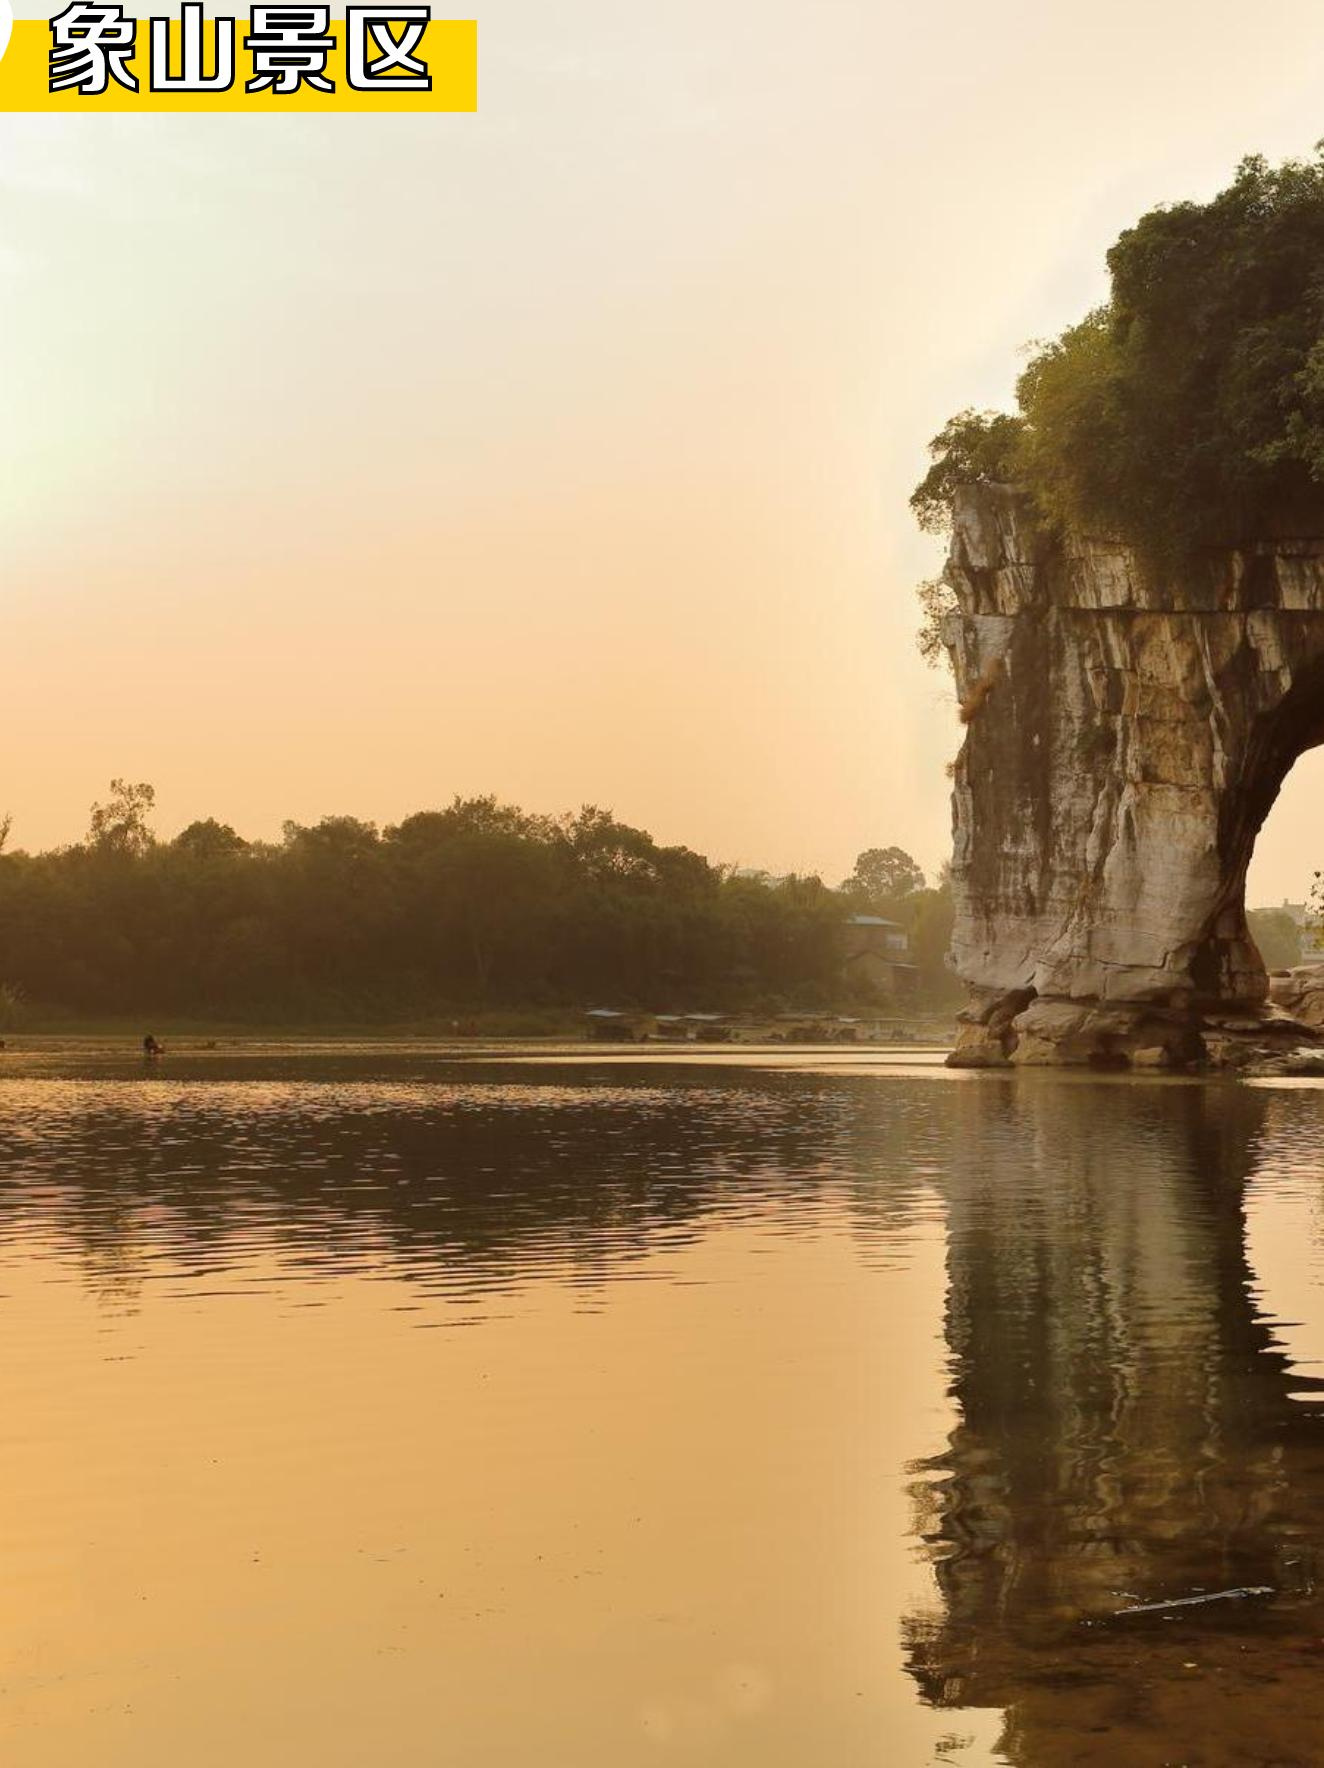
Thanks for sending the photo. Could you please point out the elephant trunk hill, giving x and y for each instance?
(1127, 731)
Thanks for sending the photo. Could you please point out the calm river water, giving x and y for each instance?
(394, 1409)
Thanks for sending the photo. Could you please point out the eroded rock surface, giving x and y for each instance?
(1300, 992)
(1127, 734)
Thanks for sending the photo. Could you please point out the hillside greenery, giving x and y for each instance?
(1188, 410)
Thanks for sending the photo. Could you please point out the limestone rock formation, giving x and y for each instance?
(1126, 735)
(1301, 992)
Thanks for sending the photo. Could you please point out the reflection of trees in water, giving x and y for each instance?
(476, 1184)
(1126, 1430)
(1125, 1420)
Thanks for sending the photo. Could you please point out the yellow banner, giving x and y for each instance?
(447, 48)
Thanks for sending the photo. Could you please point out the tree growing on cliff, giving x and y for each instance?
(936, 601)
(973, 448)
(1188, 410)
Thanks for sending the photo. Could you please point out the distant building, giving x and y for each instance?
(876, 957)
(1312, 934)
(610, 1025)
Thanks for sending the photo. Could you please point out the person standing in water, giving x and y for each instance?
(151, 1047)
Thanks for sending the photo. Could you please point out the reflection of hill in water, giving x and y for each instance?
(1125, 1420)
(468, 1184)
(1126, 1431)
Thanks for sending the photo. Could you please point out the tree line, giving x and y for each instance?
(477, 907)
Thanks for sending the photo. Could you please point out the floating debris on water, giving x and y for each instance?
(1158, 1608)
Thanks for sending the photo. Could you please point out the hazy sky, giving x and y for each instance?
(563, 451)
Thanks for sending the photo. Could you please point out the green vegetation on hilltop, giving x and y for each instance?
(478, 907)
(1188, 411)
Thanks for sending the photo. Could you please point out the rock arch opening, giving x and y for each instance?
(1289, 848)
(1228, 964)
(1287, 856)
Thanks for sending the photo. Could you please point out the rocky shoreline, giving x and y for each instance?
(1011, 1032)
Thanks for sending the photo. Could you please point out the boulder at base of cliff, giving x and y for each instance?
(1054, 1032)
(1301, 993)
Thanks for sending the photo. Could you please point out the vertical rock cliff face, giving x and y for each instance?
(1126, 736)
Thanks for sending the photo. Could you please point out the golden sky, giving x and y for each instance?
(563, 451)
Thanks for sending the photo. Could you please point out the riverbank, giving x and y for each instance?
(552, 1025)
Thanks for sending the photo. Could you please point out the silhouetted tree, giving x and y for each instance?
(883, 875)
(120, 825)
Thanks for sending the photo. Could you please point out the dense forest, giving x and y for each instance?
(478, 907)
(1188, 410)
